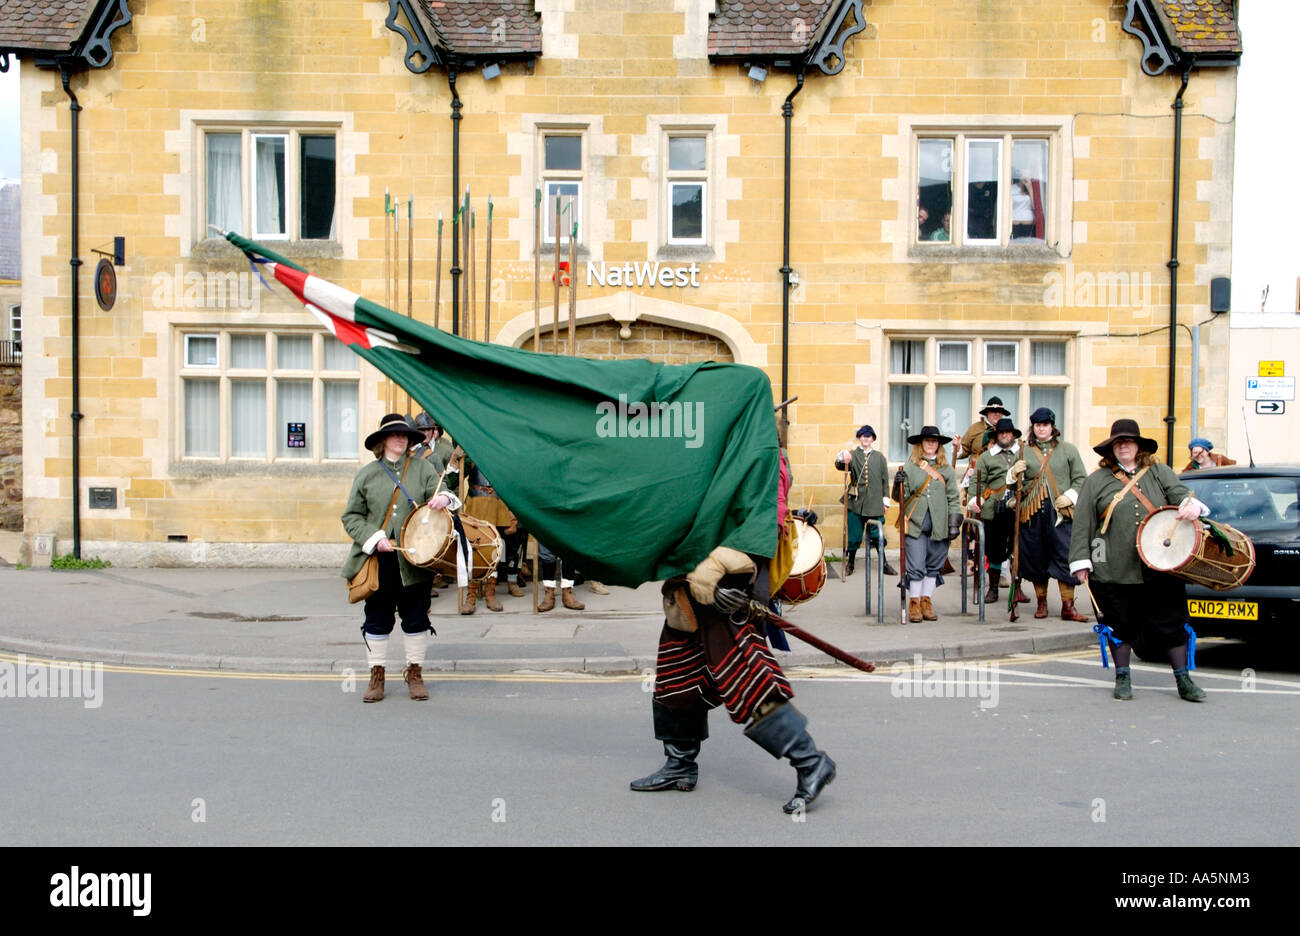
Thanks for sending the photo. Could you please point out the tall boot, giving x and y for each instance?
(548, 600)
(679, 772)
(1068, 612)
(1041, 592)
(927, 609)
(567, 599)
(471, 598)
(784, 733)
(490, 594)
(991, 596)
(914, 610)
(848, 568)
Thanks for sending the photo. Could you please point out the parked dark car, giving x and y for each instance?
(1262, 502)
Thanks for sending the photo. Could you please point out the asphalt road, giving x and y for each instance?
(1050, 759)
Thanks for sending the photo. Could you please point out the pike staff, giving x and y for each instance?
(437, 278)
(537, 286)
(573, 286)
(487, 279)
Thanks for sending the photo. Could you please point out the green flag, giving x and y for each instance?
(632, 470)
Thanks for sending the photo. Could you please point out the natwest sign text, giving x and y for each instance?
(642, 274)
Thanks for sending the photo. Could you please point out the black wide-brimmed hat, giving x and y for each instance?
(1125, 429)
(994, 405)
(1005, 425)
(929, 432)
(394, 424)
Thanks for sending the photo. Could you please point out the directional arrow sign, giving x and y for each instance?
(1270, 407)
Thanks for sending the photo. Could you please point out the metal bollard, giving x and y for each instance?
(966, 524)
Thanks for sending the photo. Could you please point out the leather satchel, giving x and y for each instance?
(366, 582)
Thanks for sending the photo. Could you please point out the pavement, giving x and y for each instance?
(299, 621)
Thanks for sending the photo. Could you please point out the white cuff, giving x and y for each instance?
(887, 502)
(1205, 511)
(1081, 565)
(369, 545)
(454, 501)
(1073, 495)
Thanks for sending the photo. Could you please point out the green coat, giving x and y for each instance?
(372, 490)
(939, 500)
(869, 478)
(991, 474)
(1113, 558)
(1067, 468)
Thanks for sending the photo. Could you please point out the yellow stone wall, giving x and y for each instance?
(626, 71)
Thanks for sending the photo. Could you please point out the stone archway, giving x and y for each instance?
(627, 324)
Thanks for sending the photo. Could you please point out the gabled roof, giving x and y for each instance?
(1199, 26)
(43, 25)
(483, 29)
(765, 28)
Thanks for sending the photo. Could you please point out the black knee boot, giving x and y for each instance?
(784, 733)
(681, 733)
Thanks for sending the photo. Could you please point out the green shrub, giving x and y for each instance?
(69, 562)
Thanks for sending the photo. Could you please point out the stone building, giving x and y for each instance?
(980, 199)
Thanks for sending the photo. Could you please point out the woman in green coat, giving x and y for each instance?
(931, 504)
(377, 507)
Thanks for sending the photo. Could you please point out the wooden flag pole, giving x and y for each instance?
(464, 252)
(555, 322)
(573, 285)
(487, 278)
(388, 301)
(437, 277)
(537, 269)
(410, 269)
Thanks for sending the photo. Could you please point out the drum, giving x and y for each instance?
(808, 574)
(428, 540)
(1191, 550)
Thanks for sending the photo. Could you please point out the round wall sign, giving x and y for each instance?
(105, 284)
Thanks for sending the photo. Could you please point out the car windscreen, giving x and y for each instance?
(1253, 504)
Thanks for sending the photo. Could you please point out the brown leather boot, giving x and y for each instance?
(1021, 597)
(914, 610)
(415, 682)
(1068, 612)
(548, 600)
(1041, 592)
(567, 599)
(375, 691)
(490, 595)
(927, 610)
(471, 598)
(515, 590)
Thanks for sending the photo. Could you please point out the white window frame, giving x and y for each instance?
(675, 177)
(938, 351)
(16, 324)
(1056, 194)
(226, 374)
(249, 134)
(549, 177)
(978, 379)
(189, 337)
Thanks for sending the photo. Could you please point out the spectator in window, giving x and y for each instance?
(1203, 456)
(944, 231)
(1022, 211)
(982, 211)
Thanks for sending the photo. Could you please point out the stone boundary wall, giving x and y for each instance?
(11, 447)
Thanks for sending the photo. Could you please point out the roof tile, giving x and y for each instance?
(42, 25)
(765, 27)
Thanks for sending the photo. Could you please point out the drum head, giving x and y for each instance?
(424, 534)
(810, 551)
(1164, 542)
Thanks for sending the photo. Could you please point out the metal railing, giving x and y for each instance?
(967, 524)
(866, 567)
(11, 352)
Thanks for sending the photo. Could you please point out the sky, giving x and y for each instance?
(10, 138)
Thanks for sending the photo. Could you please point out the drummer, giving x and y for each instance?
(1140, 606)
(383, 493)
(931, 502)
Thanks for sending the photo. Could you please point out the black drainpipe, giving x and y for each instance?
(75, 263)
(455, 200)
(1173, 263)
(787, 111)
